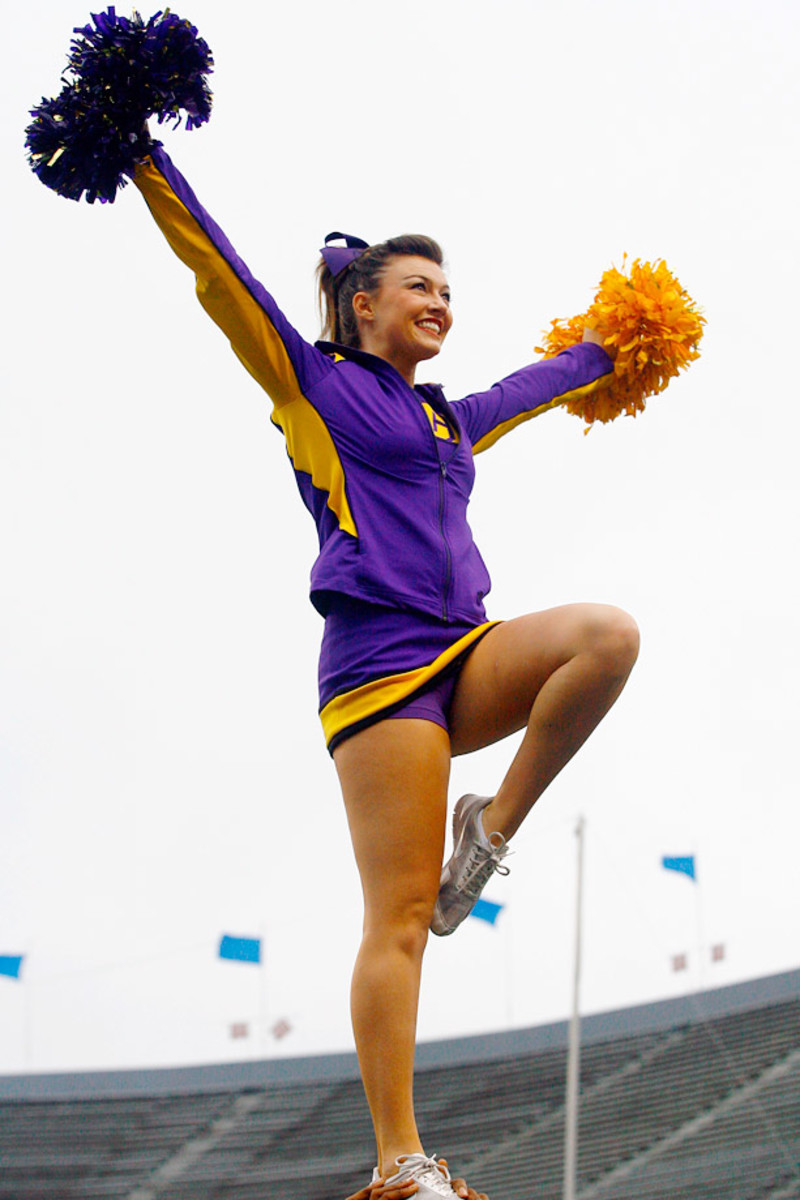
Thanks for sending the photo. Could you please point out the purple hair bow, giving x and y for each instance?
(339, 258)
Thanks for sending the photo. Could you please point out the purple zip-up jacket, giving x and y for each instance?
(389, 496)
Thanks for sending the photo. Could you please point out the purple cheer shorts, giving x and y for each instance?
(378, 662)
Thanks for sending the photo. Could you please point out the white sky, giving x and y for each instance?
(162, 771)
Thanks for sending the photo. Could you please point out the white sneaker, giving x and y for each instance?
(432, 1179)
(475, 858)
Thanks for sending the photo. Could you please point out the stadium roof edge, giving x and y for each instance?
(254, 1075)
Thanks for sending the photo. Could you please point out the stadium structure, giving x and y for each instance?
(696, 1098)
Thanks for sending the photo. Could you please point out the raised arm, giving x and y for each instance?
(534, 389)
(281, 361)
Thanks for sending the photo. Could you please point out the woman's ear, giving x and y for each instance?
(362, 306)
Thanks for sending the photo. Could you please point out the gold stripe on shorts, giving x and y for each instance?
(365, 701)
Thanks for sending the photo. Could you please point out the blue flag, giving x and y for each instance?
(684, 865)
(485, 910)
(11, 965)
(240, 949)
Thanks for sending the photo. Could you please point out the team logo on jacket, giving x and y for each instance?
(438, 424)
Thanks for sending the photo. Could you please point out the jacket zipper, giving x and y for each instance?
(448, 555)
(448, 574)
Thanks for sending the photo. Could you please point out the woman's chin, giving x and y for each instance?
(424, 351)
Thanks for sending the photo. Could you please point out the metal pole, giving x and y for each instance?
(574, 1051)
(701, 938)
(262, 989)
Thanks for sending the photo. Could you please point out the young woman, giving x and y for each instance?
(411, 671)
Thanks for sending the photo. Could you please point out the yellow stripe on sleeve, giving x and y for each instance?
(221, 292)
(254, 340)
(495, 434)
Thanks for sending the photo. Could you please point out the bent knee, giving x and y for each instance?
(614, 638)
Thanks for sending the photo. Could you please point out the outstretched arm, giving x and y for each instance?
(272, 350)
(542, 385)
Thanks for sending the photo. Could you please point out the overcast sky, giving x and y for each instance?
(163, 775)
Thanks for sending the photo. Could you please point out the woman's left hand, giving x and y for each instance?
(590, 334)
(462, 1188)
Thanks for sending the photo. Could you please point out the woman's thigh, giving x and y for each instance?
(394, 778)
(503, 675)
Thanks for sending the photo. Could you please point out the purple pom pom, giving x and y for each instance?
(123, 71)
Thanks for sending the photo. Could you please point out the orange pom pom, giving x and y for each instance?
(650, 326)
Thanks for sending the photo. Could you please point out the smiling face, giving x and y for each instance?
(408, 317)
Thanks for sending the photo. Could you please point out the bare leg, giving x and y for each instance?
(558, 672)
(394, 779)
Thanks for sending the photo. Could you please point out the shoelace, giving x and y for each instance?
(423, 1169)
(481, 864)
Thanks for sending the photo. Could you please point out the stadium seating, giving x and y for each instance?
(695, 1099)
